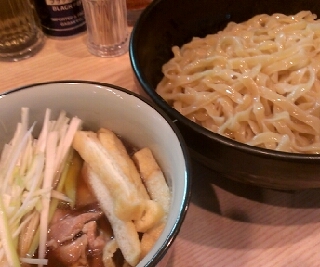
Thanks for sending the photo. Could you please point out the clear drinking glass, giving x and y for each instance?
(107, 33)
(20, 36)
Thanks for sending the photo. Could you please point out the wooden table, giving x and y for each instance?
(66, 59)
(228, 224)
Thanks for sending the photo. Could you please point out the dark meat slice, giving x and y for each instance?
(75, 238)
(59, 214)
(69, 227)
(73, 253)
(65, 211)
(96, 242)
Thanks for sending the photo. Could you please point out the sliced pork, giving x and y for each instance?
(74, 238)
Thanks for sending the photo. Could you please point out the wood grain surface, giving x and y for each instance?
(228, 224)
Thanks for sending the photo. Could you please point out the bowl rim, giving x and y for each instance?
(184, 206)
(177, 116)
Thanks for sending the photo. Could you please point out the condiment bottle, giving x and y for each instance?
(61, 17)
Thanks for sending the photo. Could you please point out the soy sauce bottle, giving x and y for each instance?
(60, 17)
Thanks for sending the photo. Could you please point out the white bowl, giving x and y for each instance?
(127, 114)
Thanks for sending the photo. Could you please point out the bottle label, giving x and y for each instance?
(62, 17)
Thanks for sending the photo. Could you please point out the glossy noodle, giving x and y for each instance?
(256, 82)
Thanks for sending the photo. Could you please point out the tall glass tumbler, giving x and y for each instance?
(107, 33)
(20, 35)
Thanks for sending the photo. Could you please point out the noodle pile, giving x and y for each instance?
(257, 82)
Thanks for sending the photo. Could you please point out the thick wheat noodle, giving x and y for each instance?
(256, 82)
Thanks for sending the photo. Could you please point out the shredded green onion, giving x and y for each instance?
(30, 173)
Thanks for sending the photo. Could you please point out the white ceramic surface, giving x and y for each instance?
(127, 115)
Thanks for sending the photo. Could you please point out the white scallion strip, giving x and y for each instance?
(34, 261)
(34, 175)
(58, 195)
(26, 158)
(13, 160)
(22, 225)
(42, 140)
(17, 137)
(7, 240)
(49, 173)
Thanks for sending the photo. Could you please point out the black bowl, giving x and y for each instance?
(166, 23)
